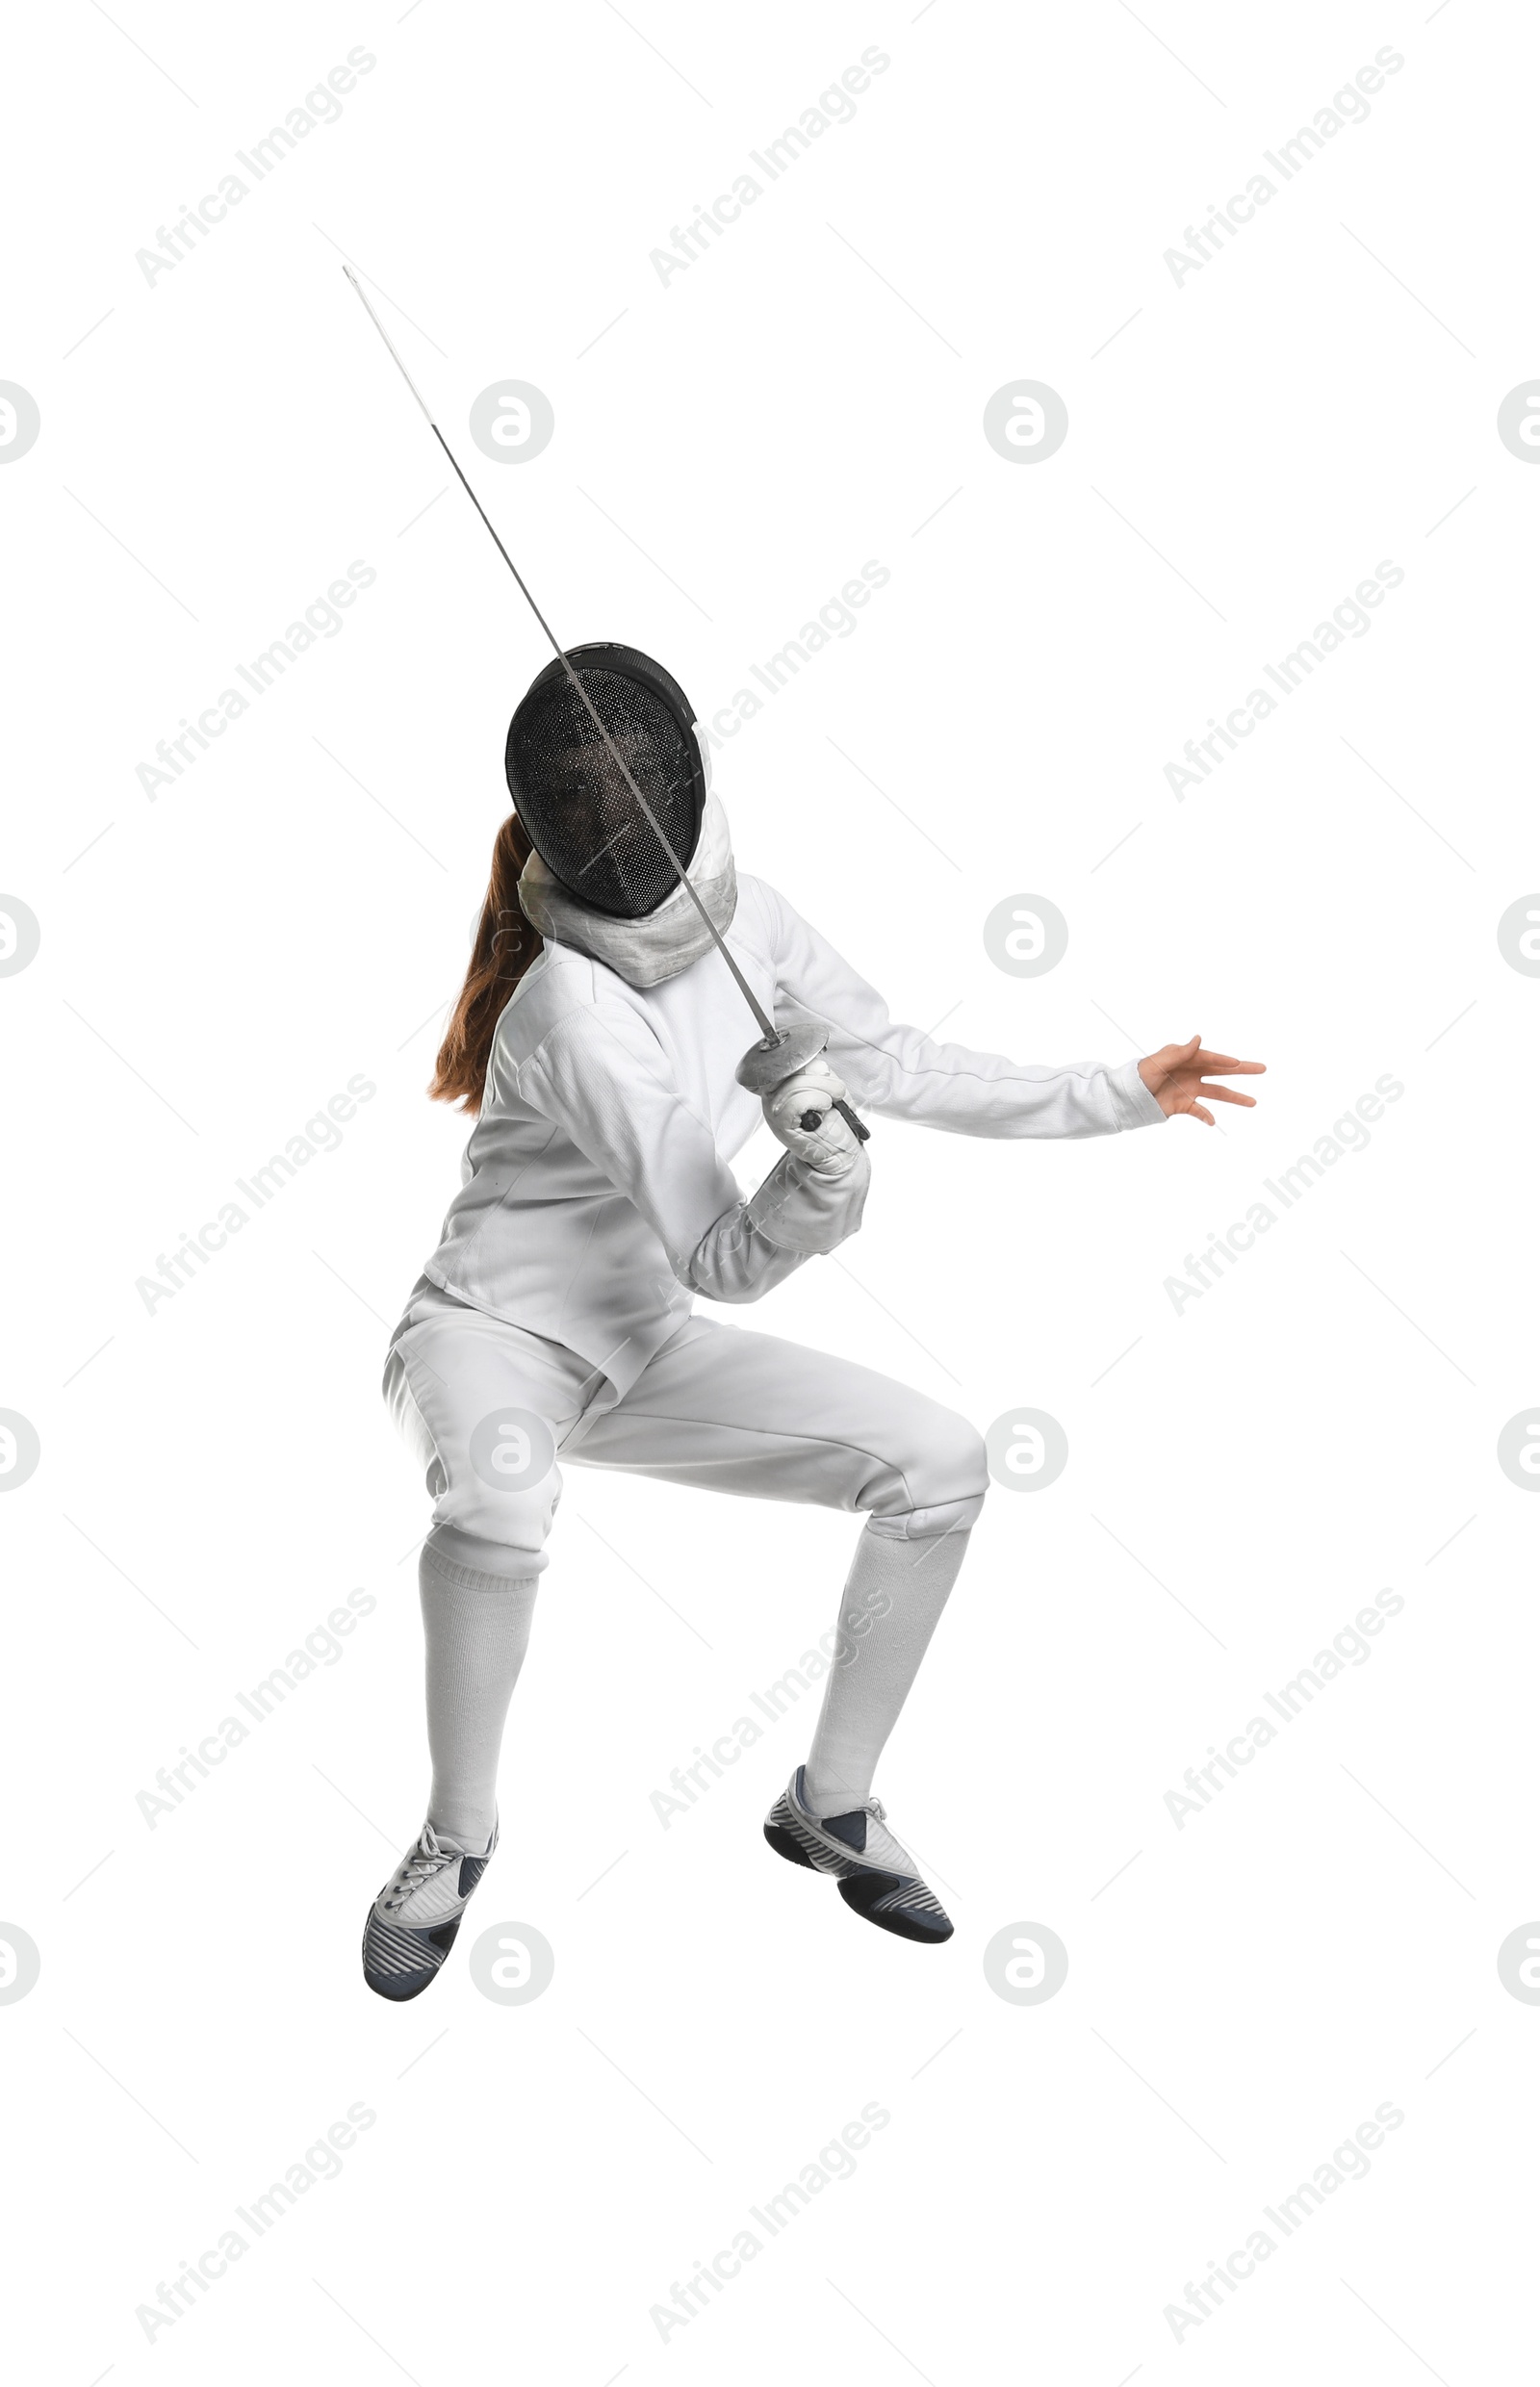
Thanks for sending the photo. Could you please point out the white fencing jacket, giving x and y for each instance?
(597, 1199)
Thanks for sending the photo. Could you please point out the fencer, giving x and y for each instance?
(597, 1043)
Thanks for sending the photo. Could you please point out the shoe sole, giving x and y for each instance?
(867, 1894)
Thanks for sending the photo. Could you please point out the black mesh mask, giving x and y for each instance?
(580, 816)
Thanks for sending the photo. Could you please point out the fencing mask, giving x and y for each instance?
(580, 816)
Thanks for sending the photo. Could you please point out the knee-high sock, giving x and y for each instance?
(476, 1627)
(899, 1589)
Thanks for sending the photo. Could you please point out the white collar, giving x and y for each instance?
(643, 952)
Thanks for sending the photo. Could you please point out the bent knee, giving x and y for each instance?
(469, 1502)
(942, 1479)
(953, 1464)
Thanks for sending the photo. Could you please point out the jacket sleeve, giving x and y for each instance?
(603, 1076)
(898, 1071)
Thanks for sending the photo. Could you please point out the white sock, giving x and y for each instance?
(476, 1627)
(894, 1595)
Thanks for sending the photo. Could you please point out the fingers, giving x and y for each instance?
(1193, 1054)
(1198, 1112)
(1226, 1093)
(790, 1106)
(813, 1084)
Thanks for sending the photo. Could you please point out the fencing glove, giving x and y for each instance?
(831, 1147)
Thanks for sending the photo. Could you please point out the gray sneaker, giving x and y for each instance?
(876, 1874)
(412, 1923)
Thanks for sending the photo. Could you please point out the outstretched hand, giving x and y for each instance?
(1177, 1076)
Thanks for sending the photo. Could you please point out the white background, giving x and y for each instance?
(1244, 1475)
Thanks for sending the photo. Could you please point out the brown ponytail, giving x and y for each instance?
(506, 945)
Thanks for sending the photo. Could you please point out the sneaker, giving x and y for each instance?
(876, 1873)
(412, 1923)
